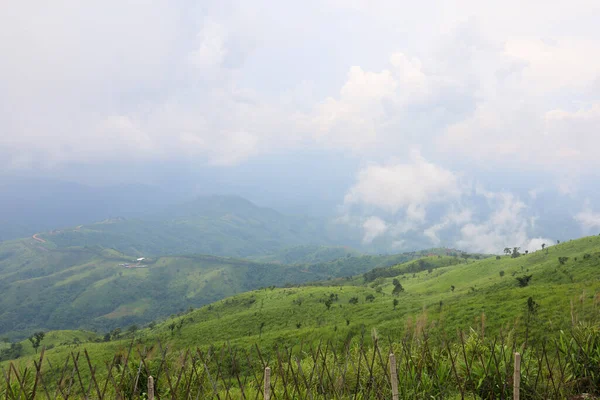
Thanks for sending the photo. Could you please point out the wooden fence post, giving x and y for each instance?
(517, 377)
(267, 383)
(394, 377)
(150, 388)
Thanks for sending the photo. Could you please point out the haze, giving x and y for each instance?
(465, 124)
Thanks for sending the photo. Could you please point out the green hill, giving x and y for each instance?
(44, 286)
(217, 225)
(450, 294)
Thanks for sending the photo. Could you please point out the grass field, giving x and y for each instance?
(44, 286)
(482, 299)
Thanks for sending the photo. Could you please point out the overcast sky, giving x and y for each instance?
(409, 117)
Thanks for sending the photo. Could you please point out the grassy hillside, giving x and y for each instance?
(218, 225)
(451, 294)
(44, 286)
(308, 254)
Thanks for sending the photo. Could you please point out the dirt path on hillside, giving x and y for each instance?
(38, 239)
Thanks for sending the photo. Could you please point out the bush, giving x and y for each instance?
(563, 260)
(523, 280)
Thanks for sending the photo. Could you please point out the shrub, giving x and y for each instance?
(523, 280)
(563, 260)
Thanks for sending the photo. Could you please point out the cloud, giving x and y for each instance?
(373, 227)
(453, 218)
(588, 219)
(468, 217)
(535, 244)
(505, 226)
(403, 186)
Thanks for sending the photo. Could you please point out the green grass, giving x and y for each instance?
(482, 301)
(289, 315)
(45, 287)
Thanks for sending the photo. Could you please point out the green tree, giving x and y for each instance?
(36, 339)
(369, 298)
(523, 281)
(396, 303)
(353, 300)
(501, 274)
(563, 260)
(132, 329)
(515, 252)
(397, 289)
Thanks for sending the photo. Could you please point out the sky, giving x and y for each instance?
(465, 123)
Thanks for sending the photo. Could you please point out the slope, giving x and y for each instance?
(450, 295)
(45, 286)
(218, 225)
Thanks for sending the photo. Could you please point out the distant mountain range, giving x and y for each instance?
(29, 205)
(217, 225)
(45, 286)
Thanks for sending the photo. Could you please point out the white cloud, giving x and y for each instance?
(588, 219)
(506, 84)
(411, 186)
(506, 226)
(535, 244)
(453, 218)
(373, 227)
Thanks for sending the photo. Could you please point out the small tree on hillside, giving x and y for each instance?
(532, 306)
(397, 289)
(115, 333)
(396, 303)
(132, 329)
(563, 260)
(507, 251)
(36, 339)
(515, 252)
(370, 298)
(452, 288)
(501, 274)
(523, 281)
(543, 246)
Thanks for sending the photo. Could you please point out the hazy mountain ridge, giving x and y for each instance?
(219, 225)
(44, 286)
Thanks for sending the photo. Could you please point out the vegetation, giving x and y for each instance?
(45, 287)
(218, 225)
(341, 308)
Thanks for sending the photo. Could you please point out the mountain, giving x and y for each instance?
(29, 205)
(45, 286)
(218, 225)
(442, 294)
